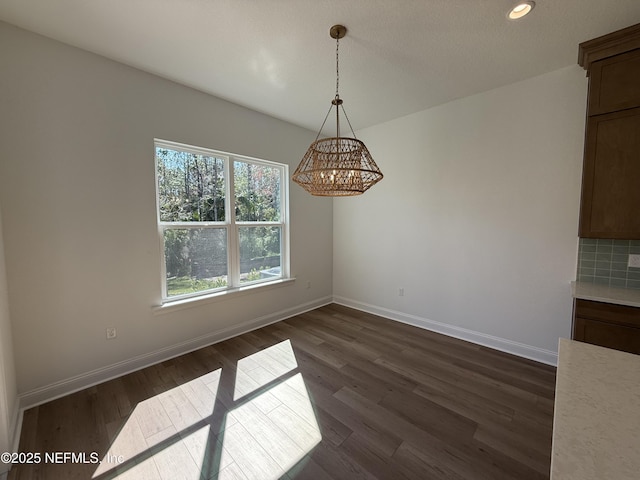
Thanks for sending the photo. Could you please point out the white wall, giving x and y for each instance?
(8, 391)
(78, 196)
(476, 217)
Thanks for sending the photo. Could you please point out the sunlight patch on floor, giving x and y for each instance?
(263, 367)
(194, 432)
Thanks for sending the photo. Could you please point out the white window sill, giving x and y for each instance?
(172, 306)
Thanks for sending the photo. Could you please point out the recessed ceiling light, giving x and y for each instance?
(521, 9)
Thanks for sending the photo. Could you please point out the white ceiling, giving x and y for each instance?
(276, 56)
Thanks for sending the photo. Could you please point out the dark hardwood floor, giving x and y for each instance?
(334, 393)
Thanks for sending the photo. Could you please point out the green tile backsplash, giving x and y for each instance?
(604, 261)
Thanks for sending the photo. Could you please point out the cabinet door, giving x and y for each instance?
(615, 83)
(607, 325)
(608, 335)
(611, 179)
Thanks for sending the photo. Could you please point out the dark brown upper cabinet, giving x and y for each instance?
(615, 83)
(610, 204)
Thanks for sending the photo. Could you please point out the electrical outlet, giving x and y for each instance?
(111, 333)
(634, 261)
(308, 284)
(401, 292)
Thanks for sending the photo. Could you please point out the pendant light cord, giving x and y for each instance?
(337, 102)
(340, 104)
(337, 67)
(337, 99)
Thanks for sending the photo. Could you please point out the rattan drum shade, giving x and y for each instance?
(337, 166)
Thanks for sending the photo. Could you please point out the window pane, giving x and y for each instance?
(195, 259)
(259, 253)
(190, 186)
(257, 192)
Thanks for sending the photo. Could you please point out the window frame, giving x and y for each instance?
(230, 224)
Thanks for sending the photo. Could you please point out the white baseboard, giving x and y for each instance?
(520, 349)
(65, 387)
(16, 427)
(80, 382)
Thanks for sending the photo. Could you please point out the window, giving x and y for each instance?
(222, 220)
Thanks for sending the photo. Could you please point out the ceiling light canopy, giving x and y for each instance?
(521, 9)
(337, 166)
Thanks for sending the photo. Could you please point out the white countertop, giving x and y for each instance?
(602, 293)
(596, 425)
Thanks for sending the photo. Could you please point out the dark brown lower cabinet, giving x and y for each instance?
(607, 325)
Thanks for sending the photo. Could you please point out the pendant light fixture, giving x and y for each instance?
(337, 166)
